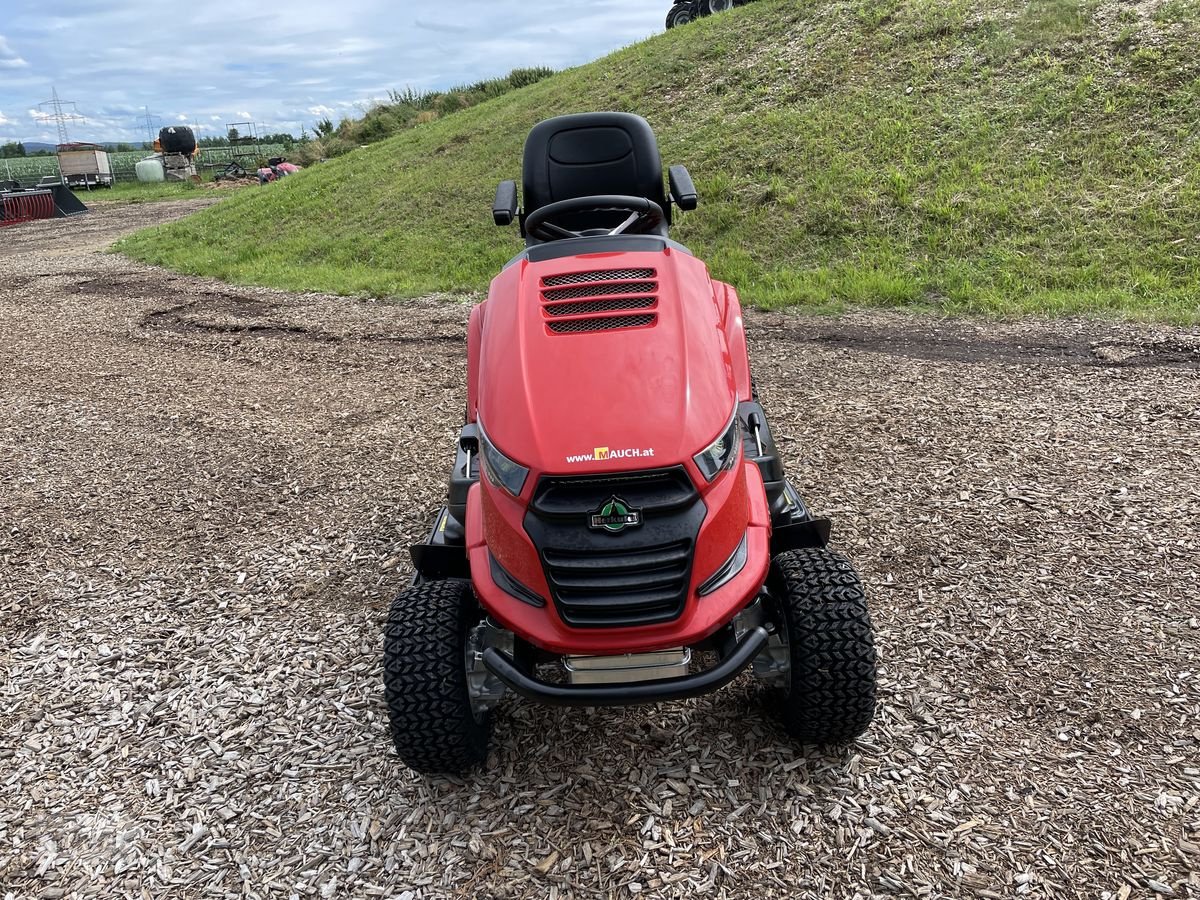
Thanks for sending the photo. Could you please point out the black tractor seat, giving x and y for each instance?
(590, 154)
(607, 155)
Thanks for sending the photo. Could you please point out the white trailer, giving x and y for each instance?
(84, 165)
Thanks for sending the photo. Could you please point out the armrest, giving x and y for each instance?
(683, 192)
(504, 207)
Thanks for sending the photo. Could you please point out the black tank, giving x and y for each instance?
(177, 139)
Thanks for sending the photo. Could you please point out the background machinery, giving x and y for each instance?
(84, 165)
(685, 11)
(177, 144)
(51, 201)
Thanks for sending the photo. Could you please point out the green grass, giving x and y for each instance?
(139, 192)
(998, 158)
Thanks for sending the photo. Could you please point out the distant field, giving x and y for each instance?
(32, 168)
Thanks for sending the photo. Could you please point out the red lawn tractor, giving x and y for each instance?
(633, 538)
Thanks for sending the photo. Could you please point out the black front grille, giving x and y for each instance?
(654, 491)
(639, 576)
(625, 587)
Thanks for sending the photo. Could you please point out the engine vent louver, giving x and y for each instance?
(599, 301)
(604, 275)
(591, 306)
(626, 287)
(600, 323)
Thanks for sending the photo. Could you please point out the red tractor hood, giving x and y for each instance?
(604, 362)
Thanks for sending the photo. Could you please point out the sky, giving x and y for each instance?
(283, 66)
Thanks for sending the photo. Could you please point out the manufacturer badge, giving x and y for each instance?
(615, 516)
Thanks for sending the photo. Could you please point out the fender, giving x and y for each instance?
(474, 336)
(735, 336)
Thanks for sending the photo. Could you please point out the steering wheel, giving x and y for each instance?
(644, 215)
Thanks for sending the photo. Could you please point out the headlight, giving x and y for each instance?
(729, 568)
(500, 470)
(721, 454)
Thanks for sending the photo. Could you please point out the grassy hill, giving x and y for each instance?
(962, 155)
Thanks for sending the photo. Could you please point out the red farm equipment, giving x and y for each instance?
(19, 204)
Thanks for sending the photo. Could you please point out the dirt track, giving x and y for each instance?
(205, 496)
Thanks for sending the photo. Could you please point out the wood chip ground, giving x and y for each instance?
(206, 493)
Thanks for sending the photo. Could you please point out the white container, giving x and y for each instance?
(92, 163)
(150, 169)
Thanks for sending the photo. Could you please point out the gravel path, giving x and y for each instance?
(205, 496)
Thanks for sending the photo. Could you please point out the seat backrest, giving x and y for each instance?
(590, 154)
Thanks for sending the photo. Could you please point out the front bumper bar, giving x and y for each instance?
(503, 667)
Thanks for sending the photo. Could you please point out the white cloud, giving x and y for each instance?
(8, 56)
(3, 120)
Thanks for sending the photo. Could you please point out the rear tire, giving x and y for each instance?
(681, 14)
(712, 7)
(830, 696)
(425, 679)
